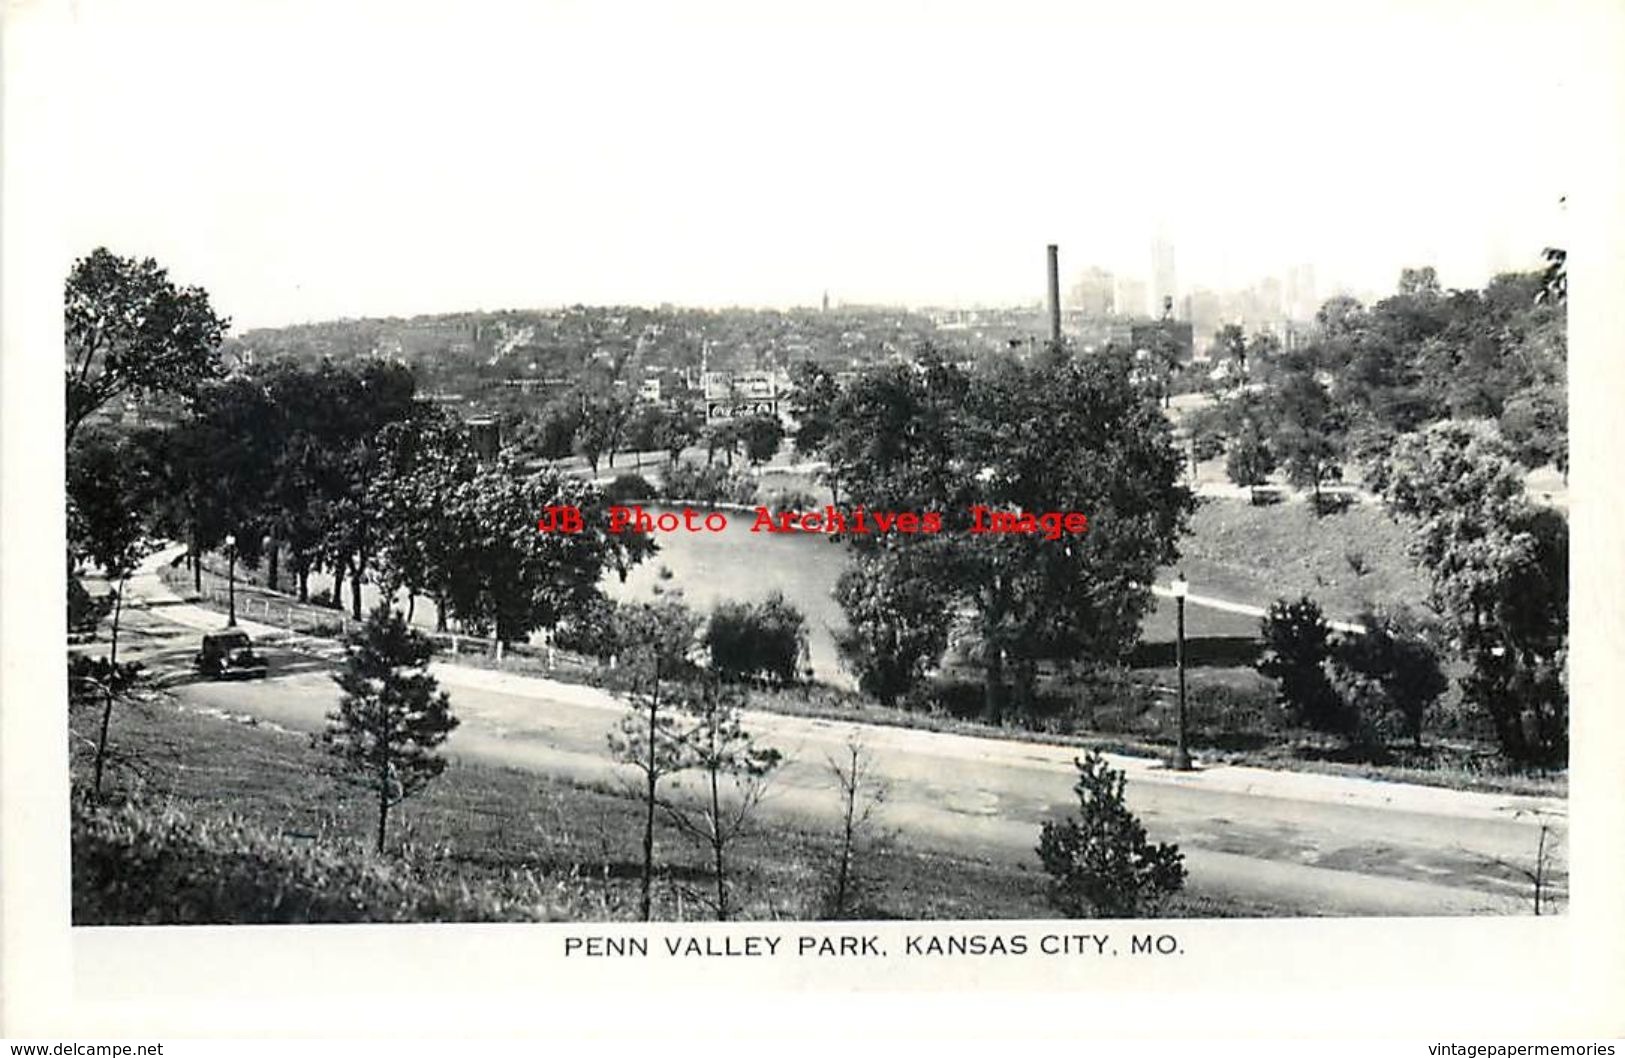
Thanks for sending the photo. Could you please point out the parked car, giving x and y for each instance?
(229, 655)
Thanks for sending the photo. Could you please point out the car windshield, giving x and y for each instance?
(228, 641)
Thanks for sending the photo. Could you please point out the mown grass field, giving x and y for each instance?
(216, 804)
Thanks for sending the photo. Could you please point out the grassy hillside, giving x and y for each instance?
(1345, 561)
(229, 822)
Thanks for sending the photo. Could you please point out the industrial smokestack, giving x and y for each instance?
(1054, 294)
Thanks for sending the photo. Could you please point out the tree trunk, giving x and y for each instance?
(272, 580)
(439, 612)
(993, 692)
(304, 583)
(355, 592)
(197, 564)
(411, 604)
(649, 815)
(107, 701)
(716, 829)
(383, 789)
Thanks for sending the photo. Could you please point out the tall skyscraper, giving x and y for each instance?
(1164, 283)
(1301, 303)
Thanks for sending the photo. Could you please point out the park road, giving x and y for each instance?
(1306, 844)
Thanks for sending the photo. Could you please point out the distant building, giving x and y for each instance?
(1164, 284)
(1130, 298)
(1094, 294)
(1301, 303)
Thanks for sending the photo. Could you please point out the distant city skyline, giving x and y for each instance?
(304, 168)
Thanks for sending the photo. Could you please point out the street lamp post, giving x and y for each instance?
(231, 581)
(1181, 588)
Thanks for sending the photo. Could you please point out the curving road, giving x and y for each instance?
(1310, 844)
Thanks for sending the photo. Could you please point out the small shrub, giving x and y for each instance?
(1296, 648)
(796, 500)
(757, 641)
(629, 488)
(1100, 862)
(712, 484)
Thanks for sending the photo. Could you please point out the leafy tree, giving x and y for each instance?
(1230, 348)
(761, 436)
(496, 572)
(655, 643)
(1056, 435)
(1297, 645)
(1100, 861)
(1393, 669)
(1308, 430)
(679, 428)
(812, 405)
(392, 716)
(422, 460)
(1535, 421)
(551, 433)
(1554, 280)
(898, 620)
(720, 436)
(1499, 570)
(110, 497)
(1250, 459)
(733, 769)
(129, 329)
(604, 417)
(757, 641)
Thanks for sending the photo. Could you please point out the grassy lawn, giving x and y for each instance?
(1242, 553)
(479, 829)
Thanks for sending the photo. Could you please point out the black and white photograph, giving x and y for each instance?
(1028, 478)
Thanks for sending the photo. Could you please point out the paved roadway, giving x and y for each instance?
(1309, 844)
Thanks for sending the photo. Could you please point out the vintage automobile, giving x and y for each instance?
(229, 655)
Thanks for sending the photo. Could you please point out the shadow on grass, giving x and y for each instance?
(1200, 652)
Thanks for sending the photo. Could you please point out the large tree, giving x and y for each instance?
(1058, 435)
(1499, 568)
(130, 330)
(497, 573)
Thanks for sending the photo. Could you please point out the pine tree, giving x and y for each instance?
(1100, 860)
(392, 716)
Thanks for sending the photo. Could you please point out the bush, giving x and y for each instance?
(629, 488)
(139, 864)
(761, 641)
(712, 484)
(1296, 648)
(796, 500)
(1225, 712)
(1387, 678)
(1100, 861)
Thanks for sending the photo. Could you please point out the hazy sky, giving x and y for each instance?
(403, 159)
